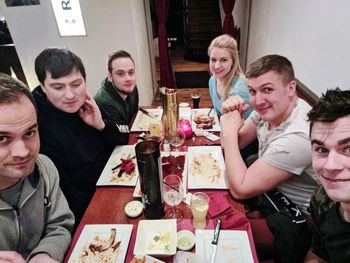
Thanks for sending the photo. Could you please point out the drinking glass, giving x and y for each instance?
(199, 206)
(196, 96)
(177, 139)
(173, 195)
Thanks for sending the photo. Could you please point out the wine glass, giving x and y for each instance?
(173, 195)
(177, 139)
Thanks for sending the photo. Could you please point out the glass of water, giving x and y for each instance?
(173, 195)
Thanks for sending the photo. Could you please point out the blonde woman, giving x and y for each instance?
(227, 77)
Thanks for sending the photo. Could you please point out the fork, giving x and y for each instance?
(210, 111)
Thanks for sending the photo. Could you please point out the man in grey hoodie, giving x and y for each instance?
(35, 220)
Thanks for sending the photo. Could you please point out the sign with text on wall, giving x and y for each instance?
(69, 18)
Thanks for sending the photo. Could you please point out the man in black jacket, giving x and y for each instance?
(72, 131)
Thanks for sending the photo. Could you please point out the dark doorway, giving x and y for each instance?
(191, 25)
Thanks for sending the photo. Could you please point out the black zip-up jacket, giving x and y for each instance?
(78, 150)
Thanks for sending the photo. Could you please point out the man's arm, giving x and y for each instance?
(56, 238)
(246, 182)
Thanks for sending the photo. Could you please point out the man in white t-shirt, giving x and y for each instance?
(279, 122)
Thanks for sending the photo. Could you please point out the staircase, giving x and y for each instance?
(203, 24)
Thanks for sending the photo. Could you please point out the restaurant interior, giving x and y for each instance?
(312, 34)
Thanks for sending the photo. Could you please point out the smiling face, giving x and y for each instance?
(220, 62)
(331, 157)
(67, 93)
(19, 141)
(123, 75)
(271, 97)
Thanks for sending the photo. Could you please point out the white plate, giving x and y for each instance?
(91, 232)
(137, 190)
(149, 236)
(209, 179)
(142, 121)
(233, 246)
(216, 127)
(109, 177)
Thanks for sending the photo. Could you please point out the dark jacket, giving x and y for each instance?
(78, 150)
(113, 107)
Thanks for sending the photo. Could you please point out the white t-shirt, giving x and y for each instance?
(288, 147)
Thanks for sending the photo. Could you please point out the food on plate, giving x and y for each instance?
(143, 259)
(101, 249)
(138, 260)
(206, 166)
(160, 242)
(124, 171)
(173, 165)
(204, 121)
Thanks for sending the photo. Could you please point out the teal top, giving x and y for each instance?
(239, 87)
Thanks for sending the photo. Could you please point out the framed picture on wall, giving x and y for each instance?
(21, 2)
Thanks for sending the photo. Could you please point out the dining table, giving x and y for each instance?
(108, 203)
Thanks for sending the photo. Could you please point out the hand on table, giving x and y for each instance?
(235, 103)
(11, 257)
(91, 114)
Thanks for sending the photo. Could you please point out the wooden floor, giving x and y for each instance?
(179, 64)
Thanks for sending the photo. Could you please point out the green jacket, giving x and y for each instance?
(113, 107)
(37, 226)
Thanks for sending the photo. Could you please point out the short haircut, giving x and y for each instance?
(333, 105)
(59, 62)
(276, 63)
(11, 90)
(117, 54)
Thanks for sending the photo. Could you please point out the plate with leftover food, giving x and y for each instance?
(121, 167)
(206, 168)
(102, 243)
(233, 246)
(142, 120)
(205, 119)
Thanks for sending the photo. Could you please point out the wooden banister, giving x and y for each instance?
(306, 94)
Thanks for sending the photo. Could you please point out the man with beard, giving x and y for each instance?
(35, 220)
(72, 131)
(118, 97)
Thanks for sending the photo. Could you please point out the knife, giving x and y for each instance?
(149, 114)
(214, 243)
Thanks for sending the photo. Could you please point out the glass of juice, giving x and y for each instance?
(199, 207)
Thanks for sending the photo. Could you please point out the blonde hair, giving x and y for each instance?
(229, 43)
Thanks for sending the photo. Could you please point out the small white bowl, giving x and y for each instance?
(185, 240)
(133, 208)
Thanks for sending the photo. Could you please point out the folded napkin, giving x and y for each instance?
(235, 221)
(218, 204)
